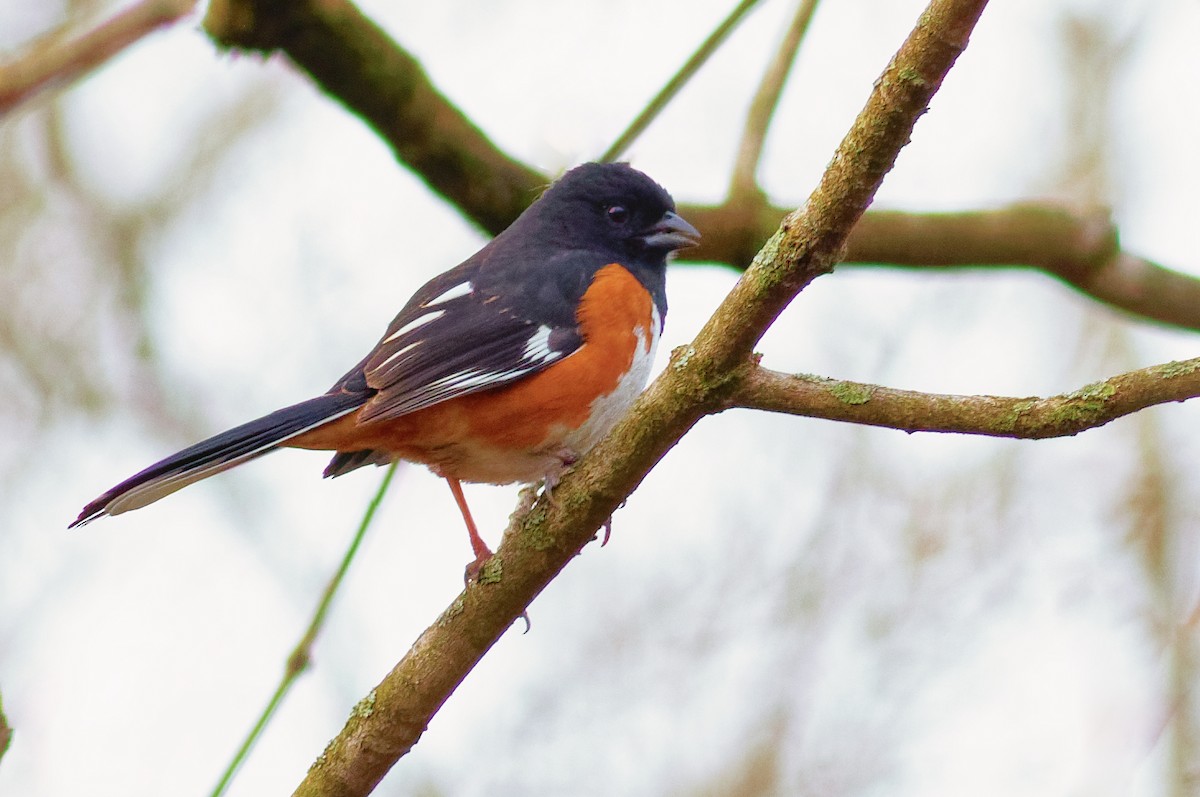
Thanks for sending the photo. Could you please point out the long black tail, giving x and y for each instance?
(219, 453)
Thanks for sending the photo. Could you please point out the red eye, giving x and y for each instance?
(617, 214)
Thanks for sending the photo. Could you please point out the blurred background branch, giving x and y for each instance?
(743, 185)
(1079, 248)
(56, 59)
(378, 80)
(355, 62)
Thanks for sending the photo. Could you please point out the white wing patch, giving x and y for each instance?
(535, 356)
(538, 350)
(169, 482)
(415, 324)
(453, 292)
(398, 353)
(469, 380)
(457, 384)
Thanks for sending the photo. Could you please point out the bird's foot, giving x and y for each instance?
(474, 570)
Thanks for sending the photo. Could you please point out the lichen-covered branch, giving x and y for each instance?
(995, 416)
(62, 56)
(541, 541)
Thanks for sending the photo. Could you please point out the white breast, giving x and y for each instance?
(609, 408)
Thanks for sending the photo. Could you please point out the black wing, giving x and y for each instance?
(472, 329)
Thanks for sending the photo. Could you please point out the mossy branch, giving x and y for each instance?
(1025, 418)
(541, 541)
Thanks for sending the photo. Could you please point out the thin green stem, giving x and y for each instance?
(301, 655)
(5, 731)
(678, 81)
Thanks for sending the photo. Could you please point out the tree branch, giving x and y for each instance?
(58, 58)
(540, 542)
(1080, 249)
(355, 62)
(1024, 418)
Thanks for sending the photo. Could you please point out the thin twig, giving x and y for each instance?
(758, 119)
(301, 655)
(58, 58)
(678, 81)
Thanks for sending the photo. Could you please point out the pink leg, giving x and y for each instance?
(482, 552)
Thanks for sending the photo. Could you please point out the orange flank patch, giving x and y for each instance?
(531, 416)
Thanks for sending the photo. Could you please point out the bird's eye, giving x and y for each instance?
(617, 214)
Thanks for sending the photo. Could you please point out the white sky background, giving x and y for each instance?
(859, 611)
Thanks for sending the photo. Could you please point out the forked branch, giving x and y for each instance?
(390, 720)
(359, 65)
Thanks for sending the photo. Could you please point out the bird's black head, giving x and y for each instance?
(612, 207)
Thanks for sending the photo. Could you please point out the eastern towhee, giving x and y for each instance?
(504, 369)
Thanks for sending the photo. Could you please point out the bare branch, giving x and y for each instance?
(355, 62)
(1081, 249)
(541, 541)
(58, 58)
(1024, 418)
(359, 65)
(762, 108)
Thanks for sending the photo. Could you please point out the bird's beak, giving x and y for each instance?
(671, 233)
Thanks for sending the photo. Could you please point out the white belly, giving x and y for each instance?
(562, 446)
(610, 408)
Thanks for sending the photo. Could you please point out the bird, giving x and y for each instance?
(505, 369)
